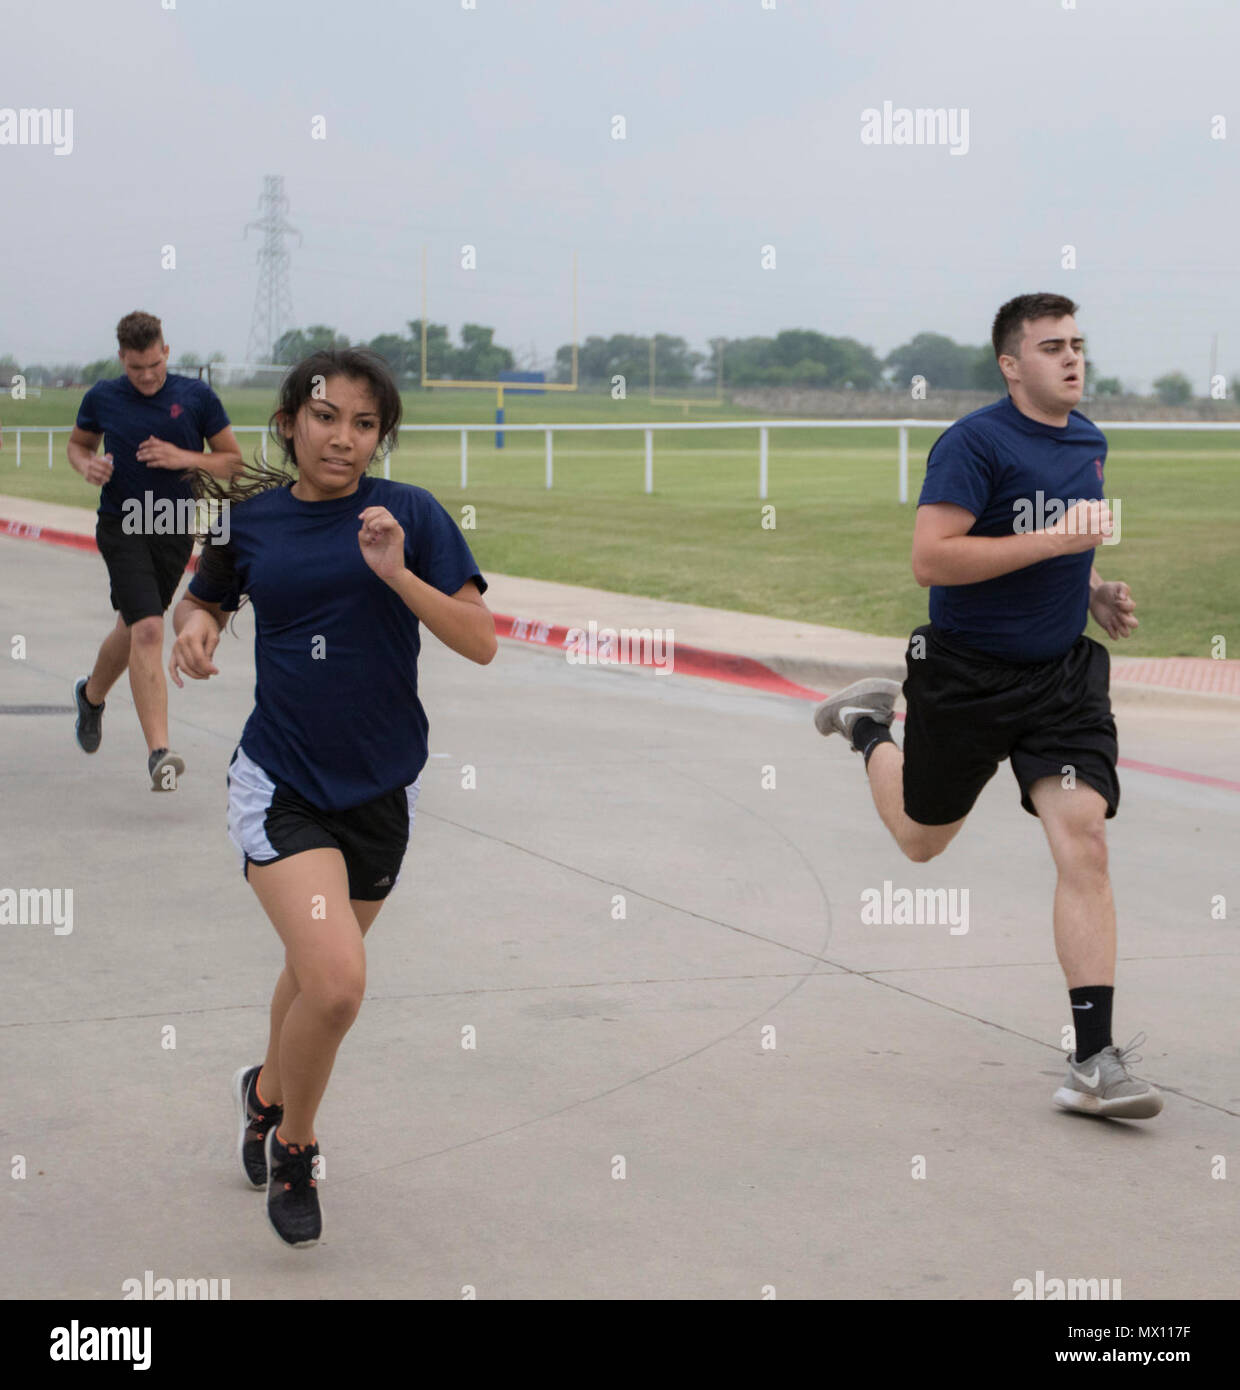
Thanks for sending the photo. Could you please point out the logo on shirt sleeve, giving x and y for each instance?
(1098, 469)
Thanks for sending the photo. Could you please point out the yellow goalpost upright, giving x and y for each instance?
(686, 402)
(498, 386)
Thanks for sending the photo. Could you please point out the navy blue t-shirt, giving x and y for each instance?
(993, 463)
(336, 709)
(184, 411)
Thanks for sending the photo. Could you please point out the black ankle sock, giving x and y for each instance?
(1091, 1016)
(867, 734)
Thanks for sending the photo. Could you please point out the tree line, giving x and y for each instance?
(793, 357)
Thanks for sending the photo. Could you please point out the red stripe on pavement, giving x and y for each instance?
(75, 540)
(1197, 777)
(691, 661)
(29, 531)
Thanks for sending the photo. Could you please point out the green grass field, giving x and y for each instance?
(839, 552)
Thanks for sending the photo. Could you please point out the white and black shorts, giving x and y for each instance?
(268, 822)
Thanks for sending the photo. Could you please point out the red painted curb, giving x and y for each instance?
(29, 531)
(688, 661)
(75, 540)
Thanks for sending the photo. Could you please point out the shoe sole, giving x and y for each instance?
(238, 1086)
(175, 762)
(824, 715)
(1121, 1108)
(77, 728)
(271, 1225)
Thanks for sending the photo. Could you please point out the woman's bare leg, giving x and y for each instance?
(270, 1085)
(320, 990)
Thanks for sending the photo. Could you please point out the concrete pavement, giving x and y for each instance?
(698, 1071)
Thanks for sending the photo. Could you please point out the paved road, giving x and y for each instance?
(745, 1165)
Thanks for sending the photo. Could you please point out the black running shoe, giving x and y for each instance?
(159, 764)
(254, 1120)
(292, 1193)
(89, 728)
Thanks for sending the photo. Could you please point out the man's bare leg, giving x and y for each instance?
(146, 680)
(109, 664)
(919, 842)
(1074, 820)
(1075, 824)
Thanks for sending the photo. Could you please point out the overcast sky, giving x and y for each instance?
(493, 126)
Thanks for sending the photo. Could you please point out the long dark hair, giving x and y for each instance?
(302, 383)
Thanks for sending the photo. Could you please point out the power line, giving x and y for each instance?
(273, 300)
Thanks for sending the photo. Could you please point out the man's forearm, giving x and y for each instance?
(221, 464)
(186, 609)
(973, 559)
(79, 456)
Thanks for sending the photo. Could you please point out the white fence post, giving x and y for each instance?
(650, 461)
(903, 463)
(387, 462)
(763, 450)
(264, 437)
(464, 459)
(49, 448)
(548, 458)
(19, 448)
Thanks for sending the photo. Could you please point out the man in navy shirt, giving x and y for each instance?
(1009, 516)
(153, 426)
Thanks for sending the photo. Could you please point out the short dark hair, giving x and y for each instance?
(138, 331)
(1009, 324)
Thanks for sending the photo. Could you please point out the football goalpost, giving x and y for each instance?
(686, 402)
(498, 386)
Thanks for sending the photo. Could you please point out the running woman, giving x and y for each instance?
(341, 567)
(153, 424)
(1003, 670)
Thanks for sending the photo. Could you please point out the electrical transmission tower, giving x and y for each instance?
(273, 301)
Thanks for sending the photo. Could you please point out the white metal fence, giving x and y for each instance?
(763, 428)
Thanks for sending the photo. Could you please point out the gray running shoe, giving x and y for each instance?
(158, 764)
(1101, 1085)
(89, 729)
(873, 697)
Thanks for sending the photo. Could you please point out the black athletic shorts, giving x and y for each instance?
(967, 711)
(268, 822)
(144, 570)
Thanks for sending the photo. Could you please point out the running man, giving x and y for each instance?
(1003, 670)
(153, 424)
(341, 567)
